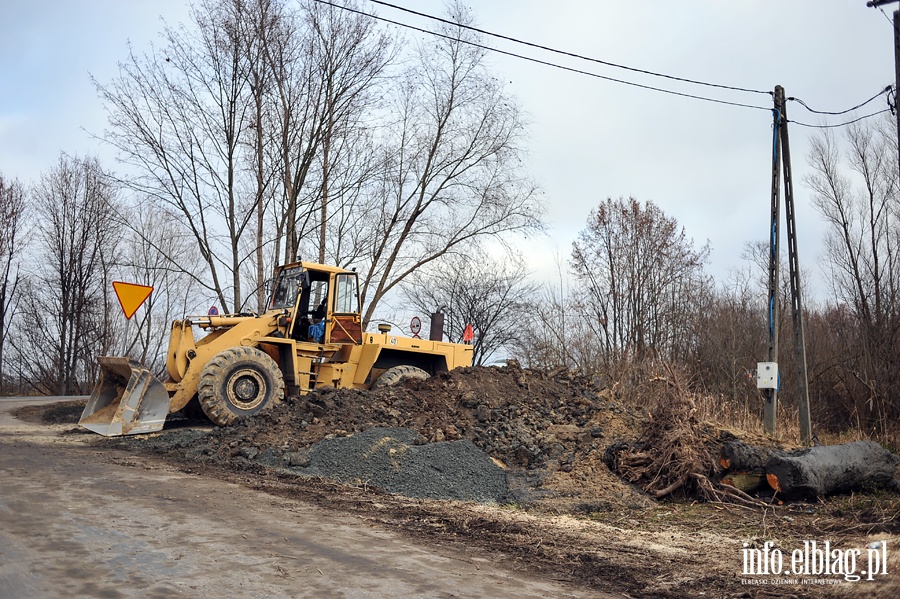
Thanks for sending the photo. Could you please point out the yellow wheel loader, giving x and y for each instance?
(309, 337)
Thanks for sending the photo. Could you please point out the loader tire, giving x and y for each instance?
(396, 375)
(239, 381)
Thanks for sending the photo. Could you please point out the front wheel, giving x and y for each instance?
(396, 375)
(239, 381)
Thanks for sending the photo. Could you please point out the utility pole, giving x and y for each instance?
(794, 274)
(767, 373)
(768, 376)
(876, 4)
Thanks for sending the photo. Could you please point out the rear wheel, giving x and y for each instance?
(239, 381)
(396, 375)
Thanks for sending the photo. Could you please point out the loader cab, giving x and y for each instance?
(312, 309)
(324, 301)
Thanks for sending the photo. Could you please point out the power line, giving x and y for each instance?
(619, 66)
(595, 75)
(544, 62)
(570, 54)
(802, 103)
(856, 120)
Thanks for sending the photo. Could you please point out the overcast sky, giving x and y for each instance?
(708, 165)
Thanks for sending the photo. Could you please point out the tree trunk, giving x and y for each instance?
(829, 469)
(737, 456)
(809, 473)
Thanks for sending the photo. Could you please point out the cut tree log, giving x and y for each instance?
(807, 473)
(746, 482)
(737, 456)
(801, 474)
(829, 469)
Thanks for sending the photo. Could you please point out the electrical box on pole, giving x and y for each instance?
(766, 375)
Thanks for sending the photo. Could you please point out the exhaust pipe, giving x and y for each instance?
(127, 400)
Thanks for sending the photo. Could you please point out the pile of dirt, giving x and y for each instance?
(553, 441)
(547, 433)
(67, 412)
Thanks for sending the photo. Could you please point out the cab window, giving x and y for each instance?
(346, 297)
(289, 283)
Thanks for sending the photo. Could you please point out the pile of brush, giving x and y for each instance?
(677, 454)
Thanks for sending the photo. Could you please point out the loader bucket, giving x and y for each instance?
(126, 401)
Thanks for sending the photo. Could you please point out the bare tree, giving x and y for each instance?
(12, 223)
(179, 116)
(317, 78)
(639, 274)
(66, 312)
(553, 333)
(730, 337)
(857, 195)
(258, 92)
(264, 16)
(490, 294)
(290, 128)
(452, 155)
(351, 58)
(243, 122)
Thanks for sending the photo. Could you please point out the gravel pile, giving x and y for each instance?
(391, 459)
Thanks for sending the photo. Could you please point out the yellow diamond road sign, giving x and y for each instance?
(131, 296)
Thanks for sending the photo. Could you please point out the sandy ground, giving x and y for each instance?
(80, 521)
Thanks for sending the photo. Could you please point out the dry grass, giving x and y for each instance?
(787, 425)
(749, 422)
(745, 417)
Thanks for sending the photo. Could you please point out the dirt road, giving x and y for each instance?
(78, 521)
(186, 512)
